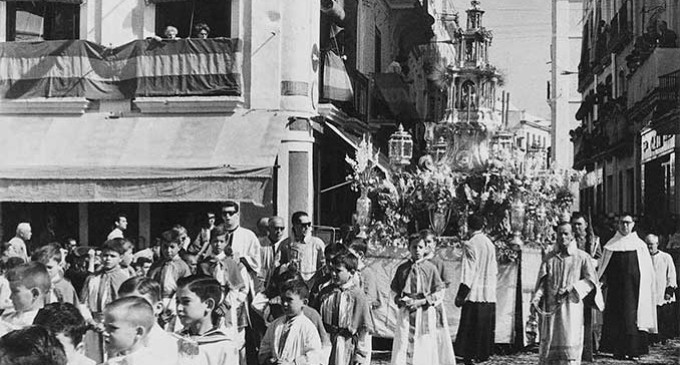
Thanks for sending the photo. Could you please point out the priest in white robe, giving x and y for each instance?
(566, 277)
(627, 272)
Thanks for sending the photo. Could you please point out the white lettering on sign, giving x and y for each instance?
(654, 145)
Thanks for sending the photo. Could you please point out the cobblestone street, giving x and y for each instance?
(666, 354)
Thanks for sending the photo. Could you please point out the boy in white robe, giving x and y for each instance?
(293, 338)
(127, 323)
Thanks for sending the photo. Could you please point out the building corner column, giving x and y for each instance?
(83, 226)
(144, 224)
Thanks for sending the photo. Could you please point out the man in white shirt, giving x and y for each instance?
(303, 248)
(17, 245)
(477, 295)
(243, 242)
(120, 225)
(665, 282)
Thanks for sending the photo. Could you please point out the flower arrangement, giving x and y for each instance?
(519, 198)
(364, 177)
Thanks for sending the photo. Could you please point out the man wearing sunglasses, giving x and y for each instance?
(303, 249)
(243, 242)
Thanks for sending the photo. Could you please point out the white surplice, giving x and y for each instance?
(292, 340)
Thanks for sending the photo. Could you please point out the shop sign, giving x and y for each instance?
(654, 145)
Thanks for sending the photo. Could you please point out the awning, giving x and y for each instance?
(173, 1)
(78, 2)
(394, 92)
(354, 141)
(141, 159)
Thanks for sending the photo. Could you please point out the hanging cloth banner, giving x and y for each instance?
(336, 82)
(78, 68)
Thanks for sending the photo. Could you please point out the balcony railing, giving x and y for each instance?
(78, 68)
(647, 78)
(669, 88)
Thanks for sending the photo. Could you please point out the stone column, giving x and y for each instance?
(295, 189)
(83, 226)
(144, 223)
(299, 44)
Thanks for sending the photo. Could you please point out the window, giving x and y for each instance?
(40, 20)
(184, 15)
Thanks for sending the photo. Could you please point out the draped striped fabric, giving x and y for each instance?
(140, 68)
(336, 82)
(50, 1)
(174, 1)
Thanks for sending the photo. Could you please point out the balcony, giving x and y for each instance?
(645, 84)
(141, 68)
(667, 114)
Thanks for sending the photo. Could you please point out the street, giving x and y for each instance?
(659, 354)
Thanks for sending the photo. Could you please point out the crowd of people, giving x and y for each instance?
(615, 298)
(229, 297)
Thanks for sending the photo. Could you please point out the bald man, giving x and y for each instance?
(665, 283)
(17, 245)
(271, 245)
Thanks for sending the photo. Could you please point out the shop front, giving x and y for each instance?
(69, 176)
(658, 164)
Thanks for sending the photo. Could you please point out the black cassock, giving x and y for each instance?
(620, 334)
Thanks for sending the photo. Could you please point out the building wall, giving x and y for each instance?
(622, 179)
(564, 98)
(279, 72)
(374, 14)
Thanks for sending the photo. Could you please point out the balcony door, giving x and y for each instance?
(184, 15)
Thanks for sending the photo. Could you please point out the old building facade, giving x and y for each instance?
(627, 79)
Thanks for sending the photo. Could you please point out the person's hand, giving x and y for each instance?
(405, 301)
(91, 253)
(415, 304)
(535, 303)
(563, 293)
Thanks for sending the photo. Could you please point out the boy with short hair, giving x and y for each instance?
(101, 288)
(142, 266)
(30, 285)
(198, 298)
(127, 257)
(323, 277)
(33, 345)
(345, 313)
(162, 343)
(127, 323)
(68, 325)
(61, 291)
(292, 338)
(171, 268)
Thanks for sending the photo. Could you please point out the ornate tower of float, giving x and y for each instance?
(475, 80)
(471, 117)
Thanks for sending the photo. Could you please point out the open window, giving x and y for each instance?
(185, 14)
(43, 20)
